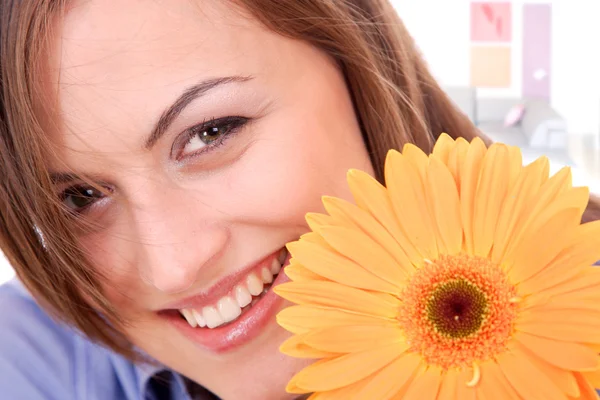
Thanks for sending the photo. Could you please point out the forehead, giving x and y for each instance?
(121, 62)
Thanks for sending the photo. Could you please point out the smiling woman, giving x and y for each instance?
(156, 159)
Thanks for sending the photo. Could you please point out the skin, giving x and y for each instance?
(172, 227)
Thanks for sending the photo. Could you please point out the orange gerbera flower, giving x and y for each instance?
(468, 277)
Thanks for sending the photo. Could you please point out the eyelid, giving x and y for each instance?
(186, 136)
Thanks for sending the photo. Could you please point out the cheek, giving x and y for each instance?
(292, 165)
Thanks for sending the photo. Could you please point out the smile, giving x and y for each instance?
(235, 310)
(239, 300)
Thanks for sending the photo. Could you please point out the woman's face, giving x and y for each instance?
(214, 137)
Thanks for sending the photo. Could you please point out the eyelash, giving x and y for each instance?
(232, 124)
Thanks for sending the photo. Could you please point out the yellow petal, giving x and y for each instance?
(489, 198)
(331, 294)
(296, 347)
(348, 339)
(468, 188)
(527, 380)
(425, 385)
(457, 158)
(315, 220)
(494, 385)
(464, 392)
(325, 374)
(537, 250)
(443, 147)
(372, 197)
(330, 264)
(583, 249)
(593, 377)
(515, 165)
(549, 200)
(366, 223)
(416, 157)
(302, 319)
(390, 380)
(449, 384)
(575, 286)
(520, 196)
(564, 379)
(299, 273)
(445, 206)
(561, 354)
(342, 393)
(366, 252)
(407, 196)
(587, 391)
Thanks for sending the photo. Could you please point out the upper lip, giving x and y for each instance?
(220, 288)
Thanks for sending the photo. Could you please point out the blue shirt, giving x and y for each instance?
(41, 359)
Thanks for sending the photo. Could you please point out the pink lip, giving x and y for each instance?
(238, 332)
(221, 288)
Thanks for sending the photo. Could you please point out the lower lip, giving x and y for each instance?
(242, 330)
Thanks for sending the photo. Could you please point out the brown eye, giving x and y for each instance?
(77, 198)
(210, 134)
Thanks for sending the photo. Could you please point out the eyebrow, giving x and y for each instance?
(190, 94)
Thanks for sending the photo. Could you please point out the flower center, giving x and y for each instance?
(458, 311)
(457, 308)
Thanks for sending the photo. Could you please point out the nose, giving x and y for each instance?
(177, 238)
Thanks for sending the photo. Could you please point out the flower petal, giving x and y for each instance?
(373, 197)
(296, 347)
(561, 354)
(349, 339)
(468, 188)
(299, 273)
(489, 198)
(407, 195)
(425, 385)
(443, 147)
(367, 253)
(326, 262)
(302, 319)
(582, 250)
(587, 390)
(464, 392)
(331, 294)
(445, 206)
(520, 196)
(537, 250)
(527, 380)
(494, 385)
(563, 378)
(457, 158)
(366, 223)
(449, 384)
(325, 374)
(391, 379)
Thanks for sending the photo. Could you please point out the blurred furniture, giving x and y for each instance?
(541, 127)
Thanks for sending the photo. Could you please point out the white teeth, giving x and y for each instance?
(229, 309)
(255, 285)
(266, 275)
(212, 317)
(199, 318)
(189, 316)
(275, 267)
(282, 256)
(242, 296)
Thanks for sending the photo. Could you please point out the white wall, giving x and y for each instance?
(441, 29)
(6, 272)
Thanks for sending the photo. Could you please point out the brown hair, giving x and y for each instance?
(395, 97)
